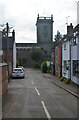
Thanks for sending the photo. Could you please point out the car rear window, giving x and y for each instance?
(17, 69)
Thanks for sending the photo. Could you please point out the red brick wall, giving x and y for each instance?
(58, 61)
(10, 59)
(10, 55)
(4, 80)
(53, 62)
(0, 82)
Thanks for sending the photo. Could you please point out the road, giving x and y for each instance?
(36, 96)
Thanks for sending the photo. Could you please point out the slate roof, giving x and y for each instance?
(4, 42)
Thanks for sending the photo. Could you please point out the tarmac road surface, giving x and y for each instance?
(37, 97)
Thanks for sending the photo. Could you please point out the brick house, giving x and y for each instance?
(56, 59)
(53, 61)
(3, 72)
(12, 51)
(3, 60)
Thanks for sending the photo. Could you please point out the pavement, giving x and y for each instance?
(71, 88)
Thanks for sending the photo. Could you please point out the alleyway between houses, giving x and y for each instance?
(36, 96)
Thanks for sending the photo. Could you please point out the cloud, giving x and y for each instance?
(22, 14)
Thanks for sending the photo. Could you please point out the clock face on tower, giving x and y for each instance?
(45, 31)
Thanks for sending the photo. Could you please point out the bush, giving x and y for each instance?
(62, 78)
(44, 67)
(67, 81)
(49, 68)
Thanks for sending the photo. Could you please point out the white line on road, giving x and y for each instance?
(32, 82)
(45, 109)
(37, 91)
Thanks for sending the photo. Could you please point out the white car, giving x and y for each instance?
(18, 72)
(21, 67)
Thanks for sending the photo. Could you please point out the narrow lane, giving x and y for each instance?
(36, 97)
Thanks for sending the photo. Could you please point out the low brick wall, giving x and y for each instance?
(3, 69)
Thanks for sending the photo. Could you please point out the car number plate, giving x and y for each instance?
(17, 75)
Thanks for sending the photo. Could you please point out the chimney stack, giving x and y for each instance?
(69, 28)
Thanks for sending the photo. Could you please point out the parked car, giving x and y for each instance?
(18, 72)
(21, 67)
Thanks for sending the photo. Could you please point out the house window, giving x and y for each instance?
(65, 63)
(64, 45)
(76, 68)
(75, 41)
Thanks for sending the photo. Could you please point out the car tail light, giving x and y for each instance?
(21, 71)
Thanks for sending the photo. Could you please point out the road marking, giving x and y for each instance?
(37, 91)
(45, 109)
(32, 82)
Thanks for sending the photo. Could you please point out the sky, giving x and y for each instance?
(22, 16)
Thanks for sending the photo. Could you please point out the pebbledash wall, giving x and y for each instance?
(75, 56)
(44, 27)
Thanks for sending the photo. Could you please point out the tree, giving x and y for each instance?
(17, 63)
(58, 36)
(36, 55)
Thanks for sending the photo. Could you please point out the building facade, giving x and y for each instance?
(53, 62)
(3, 59)
(12, 51)
(58, 60)
(75, 56)
(66, 53)
(66, 59)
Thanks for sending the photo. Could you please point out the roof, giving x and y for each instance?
(76, 28)
(4, 42)
(26, 45)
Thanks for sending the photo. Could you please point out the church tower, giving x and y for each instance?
(45, 35)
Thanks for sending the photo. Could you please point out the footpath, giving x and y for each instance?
(71, 88)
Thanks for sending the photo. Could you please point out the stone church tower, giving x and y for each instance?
(45, 35)
(44, 41)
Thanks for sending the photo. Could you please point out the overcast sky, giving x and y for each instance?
(22, 15)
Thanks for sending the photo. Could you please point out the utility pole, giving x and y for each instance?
(7, 27)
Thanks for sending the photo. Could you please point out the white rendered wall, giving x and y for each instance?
(14, 56)
(66, 53)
